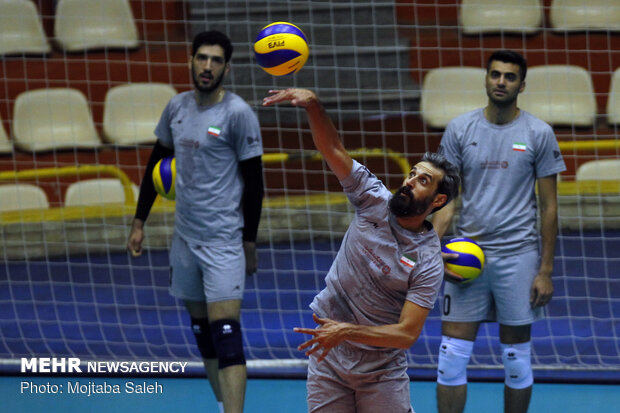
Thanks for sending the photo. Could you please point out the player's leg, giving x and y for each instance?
(382, 384)
(463, 307)
(226, 332)
(516, 356)
(202, 333)
(326, 388)
(455, 350)
(515, 316)
(186, 284)
(223, 284)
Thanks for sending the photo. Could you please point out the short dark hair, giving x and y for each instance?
(449, 184)
(509, 56)
(213, 37)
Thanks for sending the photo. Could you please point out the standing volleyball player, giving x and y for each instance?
(216, 140)
(383, 282)
(502, 153)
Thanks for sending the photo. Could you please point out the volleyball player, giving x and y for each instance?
(502, 153)
(216, 140)
(383, 282)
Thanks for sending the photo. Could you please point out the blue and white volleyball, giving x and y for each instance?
(281, 48)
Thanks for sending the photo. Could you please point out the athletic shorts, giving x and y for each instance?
(351, 379)
(501, 293)
(206, 273)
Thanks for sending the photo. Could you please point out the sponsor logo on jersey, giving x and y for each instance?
(494, 165)
(189, 143)
(214, 131)
(385, 269)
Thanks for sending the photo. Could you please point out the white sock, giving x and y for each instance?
(221, 406)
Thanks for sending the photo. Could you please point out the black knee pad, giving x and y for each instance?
(202, 332)
(228, 342)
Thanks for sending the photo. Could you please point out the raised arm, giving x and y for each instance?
(324, 133)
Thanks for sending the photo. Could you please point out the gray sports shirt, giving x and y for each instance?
(208, 143)
(499, 165)
(379, 264)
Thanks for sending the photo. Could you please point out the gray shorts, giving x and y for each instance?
(501, 293)
(206, 273)
(351, 379)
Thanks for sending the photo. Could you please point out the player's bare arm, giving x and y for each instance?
(542, 287)
(330, 333)
(324, 132)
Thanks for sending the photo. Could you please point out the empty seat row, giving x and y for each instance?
(78, 25)
(57, 118)
(100, 191)
(526, 16)
(19, 197)
(561, 95)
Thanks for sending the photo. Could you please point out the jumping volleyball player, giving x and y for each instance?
(216, 140)
(383, 282)
(502, 153)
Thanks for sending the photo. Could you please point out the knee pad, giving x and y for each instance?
(517, 359)
(204, 341)
(228, 342)
(454, 356)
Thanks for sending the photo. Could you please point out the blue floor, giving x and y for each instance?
(113, 307)
(181, 395)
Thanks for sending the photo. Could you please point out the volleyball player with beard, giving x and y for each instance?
(215, 138)
(383, 281)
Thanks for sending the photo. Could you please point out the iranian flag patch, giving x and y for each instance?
(407, 260)
(519, 147)
(214, 131)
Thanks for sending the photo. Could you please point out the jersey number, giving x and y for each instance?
(446, 304)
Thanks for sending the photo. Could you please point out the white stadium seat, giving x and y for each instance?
(20, 29)
(600, 170)
(560, 95)
(5, 144)
(505, 16)
(451, 91)
(578, 15)
(18, 197)
(131, 112)
(56, 118)
(96, 192)
(613, 101)
(94, 24)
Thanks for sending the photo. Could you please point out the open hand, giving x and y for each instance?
(327, 335)
(297, 97)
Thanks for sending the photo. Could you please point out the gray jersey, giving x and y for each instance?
(499, 165)
(379, 264)
(208, 143)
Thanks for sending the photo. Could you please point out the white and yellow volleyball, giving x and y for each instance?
(281, 48)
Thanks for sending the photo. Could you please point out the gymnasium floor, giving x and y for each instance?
(282, 396)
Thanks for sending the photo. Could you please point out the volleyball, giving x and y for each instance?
(470, 262)
(281, 48)
(164, 174)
